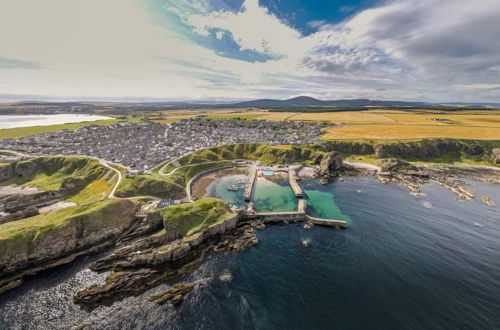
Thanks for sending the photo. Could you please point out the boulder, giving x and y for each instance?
(495, 156)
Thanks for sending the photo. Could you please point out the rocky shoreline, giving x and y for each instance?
(150, 250)
(147, 262)
(449, 177)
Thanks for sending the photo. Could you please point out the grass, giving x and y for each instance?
(254, 151)
(410, 132)
(151, 185)
(189, 219)
(234, 116)
(7, 153)
(367, 159)
(22, 237)
(185, 174)
(51, 172)
(95, 192)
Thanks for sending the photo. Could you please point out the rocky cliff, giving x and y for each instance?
(189, 231)
(330, 164)
(39, 242)
(428, 149)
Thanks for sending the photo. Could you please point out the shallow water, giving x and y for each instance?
(403, 263)
(12, 121)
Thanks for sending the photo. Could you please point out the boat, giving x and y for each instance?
(233, 187)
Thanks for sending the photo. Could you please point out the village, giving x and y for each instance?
(141, 146)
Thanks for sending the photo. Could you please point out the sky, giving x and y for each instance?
(225, 50)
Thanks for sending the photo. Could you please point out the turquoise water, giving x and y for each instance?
(404, 263)
(321, 201)
(267, 196)
(273, 197)
(279, 197)
(219, 187)
(268, 172)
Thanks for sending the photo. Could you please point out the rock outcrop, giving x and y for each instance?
(37, 246)
(6, 172)
(189, 232)
(25, 169)
(18, 202)
(30, 211)
(427, 149)
(175, 294)
(330, 164)
(495, 156)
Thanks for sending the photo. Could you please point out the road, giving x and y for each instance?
(118, 173)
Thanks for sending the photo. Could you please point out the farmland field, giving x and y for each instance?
(409, 132)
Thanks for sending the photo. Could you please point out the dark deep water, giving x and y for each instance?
(404, 263)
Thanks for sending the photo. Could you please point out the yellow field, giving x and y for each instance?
(375, 123)
(347, 117)
(409, 132)
(484, 120)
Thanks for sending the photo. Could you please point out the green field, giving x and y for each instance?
(189, 219)
(234, 116)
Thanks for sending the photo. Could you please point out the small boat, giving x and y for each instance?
(233, 187)
(477, 224)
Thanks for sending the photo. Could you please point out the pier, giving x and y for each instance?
(294, 216)
(292, 178)
(251, 182)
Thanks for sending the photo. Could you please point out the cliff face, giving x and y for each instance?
(6, 172)
(46, 238)
(189, 231)
(350, 147)
(427, 149)
(330, 164)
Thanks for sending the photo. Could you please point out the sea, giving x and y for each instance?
(13, 121)
(405, 262)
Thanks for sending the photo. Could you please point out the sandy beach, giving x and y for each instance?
(199, 189)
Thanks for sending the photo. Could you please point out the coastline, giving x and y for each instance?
(200, 186)
(128, 277)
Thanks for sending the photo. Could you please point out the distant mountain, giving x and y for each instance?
(306, 101)
(296, 104)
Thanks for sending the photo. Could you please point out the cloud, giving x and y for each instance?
(316, 24)
(426, 49)
(253, 28)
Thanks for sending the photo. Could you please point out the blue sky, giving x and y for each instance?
(425, 50)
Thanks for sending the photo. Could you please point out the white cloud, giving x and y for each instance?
(253, 28)
(405, 49)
